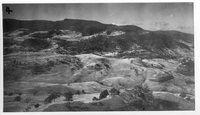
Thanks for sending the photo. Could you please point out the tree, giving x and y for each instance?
(114, 91)
(95, 99)
(78, 92)
(18, 98)
(103, 94)
(51, 97)
(36, 105)
(68, 96)
(83, 91)
(19, 93)
(182, 94)
(10, 94)
(142, 99)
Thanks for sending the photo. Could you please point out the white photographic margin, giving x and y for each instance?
(196, 52)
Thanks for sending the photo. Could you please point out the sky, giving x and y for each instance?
(150, 16)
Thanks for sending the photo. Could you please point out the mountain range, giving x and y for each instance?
(158, 43)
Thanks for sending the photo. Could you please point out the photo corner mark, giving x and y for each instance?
(8, 10)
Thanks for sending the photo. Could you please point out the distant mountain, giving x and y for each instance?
(149, 43)
(83, 26)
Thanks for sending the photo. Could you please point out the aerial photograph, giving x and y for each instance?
(66, 57)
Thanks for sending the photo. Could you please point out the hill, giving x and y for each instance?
(82, 65)
(83, 26)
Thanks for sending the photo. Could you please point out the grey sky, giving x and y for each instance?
(152, 16)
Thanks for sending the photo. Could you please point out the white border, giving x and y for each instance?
(197, 56)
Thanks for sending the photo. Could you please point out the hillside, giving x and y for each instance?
(82, 65)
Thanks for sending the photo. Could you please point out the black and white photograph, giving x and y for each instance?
(67, 57)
